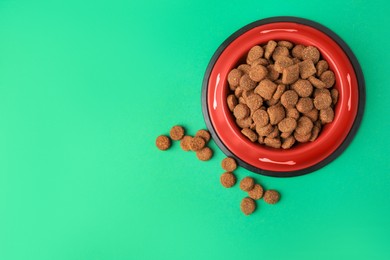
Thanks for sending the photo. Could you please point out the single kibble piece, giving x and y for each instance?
(279, 52)
(297, 51)
(326, 115)
(286, 44)
(318, 91)
(282, 62)
(304, 105)
(247, 184)
(228, 179)
(328, 78)
(303, 88)
(288, 142)
(276, 113)
(293, 113)
(285, 135)
(272, 73)
(271, 196)
(204, 134)
(316, 82)
(335, 96)
(246, 83)
(255, 53)
(257, 192)
(177, 132)
(185, 143)
(248, 206)
(246, 122)
(269, 49)
(234, 77)
(302, 138)
(287, 125)
(241, 111)
(245, 68)
(238, 92)
(231, 102)
(312, 114)
(266, 89)
(254, 102)
(311, 53)
(321, 67)
(290, 74)
(260, 118)
(258, 72)
(314, 133)
(229, 164)
(306, 69)
(252, 136)
(272, 142)
(197, 143)
(304, 125)
(163, 142)
(322, 101)
(289, 99)
(275, 133)
(279, 91)
(260, 61)
(204, 154)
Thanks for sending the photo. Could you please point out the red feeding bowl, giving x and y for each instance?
(302, 158)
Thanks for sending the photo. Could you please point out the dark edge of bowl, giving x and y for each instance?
(361, 94)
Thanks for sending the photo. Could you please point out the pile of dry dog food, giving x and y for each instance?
(283, 94)
(228, 179)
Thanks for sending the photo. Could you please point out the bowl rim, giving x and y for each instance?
(360, 85)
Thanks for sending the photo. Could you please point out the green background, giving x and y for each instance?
(85, 88)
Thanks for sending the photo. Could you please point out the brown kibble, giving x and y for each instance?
(312, 114)
(229, 164)
(328, 78)
(247, 93)
(326, 115)
(252, 136)
(258, 72)
(282, 62)
(241, 100)
(247, 184)
(279, 52)
(260, 61)
(289, 99)
(204, 154)
(306, 69)
(234, 77)
(176, 133)
(311, 53)
(255, 53)
(286, 44)
(303, 88)
(272, 73)
(279, 91)
(231, 102)
(272, 102)
(241, 111)
(304, 126)
(276, 113)
(321, 66)
(238, 92)
(271, 196)
(248, 206)
(318, 91)
(302, 138)
(197, 143)
(287, 125)
(304, 105)
(322, 101)
(228, 179)
(290, 74)
(163, 142)
(297, 51)
(272, 142)
(288, 142)
(245, 68)
(285, 135)
(296, 60)
(254, 102)
(269, 49)
(293, 113)
(246, 122)
(265, 130)
(260, 117)
(246, 83)
(204, 134)
(335, 96)
(275, 133)
(257, 192)
(316, 82)
(266, 89)
(314, 133)
(185, 143)
(260, 140)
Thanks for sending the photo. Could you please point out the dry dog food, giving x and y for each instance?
(229, 164)
(177, 132)
(257, 192)
(271, 196)
(247, 184)
(163, 142)
(228, 179)
(248, 206)
(204, 154)
(281, 93)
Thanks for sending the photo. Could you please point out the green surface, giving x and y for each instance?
(86, 86)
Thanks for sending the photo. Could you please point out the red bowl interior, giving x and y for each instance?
(303, 155)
